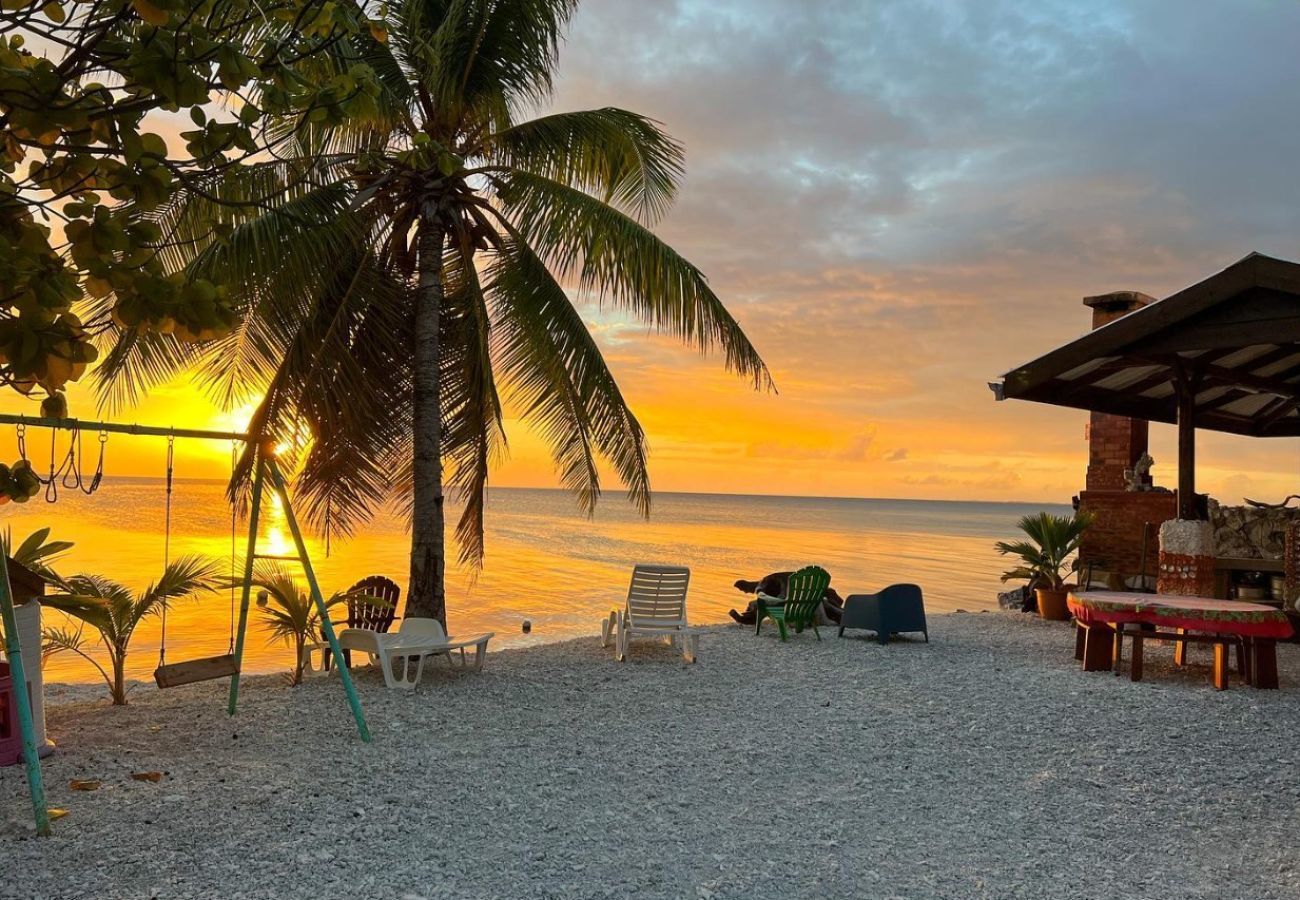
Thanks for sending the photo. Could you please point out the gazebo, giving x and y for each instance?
(1222, 355)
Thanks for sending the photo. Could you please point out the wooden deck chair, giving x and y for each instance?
(656, 607)
(367, 615)
(798, 609)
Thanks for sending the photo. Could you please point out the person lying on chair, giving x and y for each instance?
(775, 585)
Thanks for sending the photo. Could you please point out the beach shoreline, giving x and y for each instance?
(984, 764)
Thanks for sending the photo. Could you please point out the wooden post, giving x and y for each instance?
(1186, 392)
(31, 758)
(248, 585)
(326, 626)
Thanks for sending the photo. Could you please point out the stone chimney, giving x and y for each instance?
(1114, 442)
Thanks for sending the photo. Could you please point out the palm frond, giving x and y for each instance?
(622, 158)
(554, 370)
(613, 256)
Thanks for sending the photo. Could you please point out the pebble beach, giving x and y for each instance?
(981, 765)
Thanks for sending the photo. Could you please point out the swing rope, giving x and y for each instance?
(234, 513)
(167, 542)
(68, 472)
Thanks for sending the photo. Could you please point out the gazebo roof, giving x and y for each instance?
(1233, 340)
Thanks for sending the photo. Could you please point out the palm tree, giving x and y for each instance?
(290, 612)
(394, 271)
(114, 612)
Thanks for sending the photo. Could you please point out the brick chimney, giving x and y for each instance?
(1115, 443)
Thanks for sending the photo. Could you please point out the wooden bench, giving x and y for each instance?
(1104, 618)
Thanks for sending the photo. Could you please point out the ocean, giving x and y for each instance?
(546, 562)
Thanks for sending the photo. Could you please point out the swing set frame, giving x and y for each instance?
(266, 469)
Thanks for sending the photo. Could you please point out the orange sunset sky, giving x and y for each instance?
(900, 201)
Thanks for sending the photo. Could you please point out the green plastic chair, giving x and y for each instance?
(798, 610)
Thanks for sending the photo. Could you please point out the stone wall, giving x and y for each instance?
(1248, 533)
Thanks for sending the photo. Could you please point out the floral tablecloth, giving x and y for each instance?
(1174, 611)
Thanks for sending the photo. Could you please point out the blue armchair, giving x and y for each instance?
(897, 609)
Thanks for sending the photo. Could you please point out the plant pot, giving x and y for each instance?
(1052, 605)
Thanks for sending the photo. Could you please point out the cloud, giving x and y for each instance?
(901, 199)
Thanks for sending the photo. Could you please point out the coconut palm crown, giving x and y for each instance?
(403, 275)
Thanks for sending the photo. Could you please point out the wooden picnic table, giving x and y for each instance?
(1104, 618)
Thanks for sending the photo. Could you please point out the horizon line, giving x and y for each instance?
(559, 490)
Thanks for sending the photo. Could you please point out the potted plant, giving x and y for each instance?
(1050, 553)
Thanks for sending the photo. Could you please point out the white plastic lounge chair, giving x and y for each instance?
(417, 639)
(656, 607)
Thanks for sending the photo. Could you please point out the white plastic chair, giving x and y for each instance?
(418, 639)
(656, 607)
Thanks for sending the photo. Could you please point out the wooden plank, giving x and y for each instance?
(1263, 663)
(1097, 647)
(177, 674)
(1220, 667)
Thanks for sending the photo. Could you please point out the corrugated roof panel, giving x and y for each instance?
(1127, 377)
(1245, 355)
(1280, 366)
(1249, 405)
(1090, 366)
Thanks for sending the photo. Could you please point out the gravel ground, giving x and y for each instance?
(983, 765)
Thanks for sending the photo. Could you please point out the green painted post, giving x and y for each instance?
(14, 654)
(248, 586)
(326, 625)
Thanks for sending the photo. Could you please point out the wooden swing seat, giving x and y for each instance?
(212, 667)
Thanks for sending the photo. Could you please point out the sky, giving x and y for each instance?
(900, 201)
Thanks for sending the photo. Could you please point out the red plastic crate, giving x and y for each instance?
(11, 736)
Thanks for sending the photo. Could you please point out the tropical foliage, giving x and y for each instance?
(404, 277)
(290, 612)
(84, 170)
(36, 552)
(113, 612)
(1051, 550)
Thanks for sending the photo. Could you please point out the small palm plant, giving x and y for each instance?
(290, 613)
(1050, 553)
(112, 611)
(36, 552)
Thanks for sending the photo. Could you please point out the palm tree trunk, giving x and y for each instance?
(300, 641)
(426, 594)
(119, 678)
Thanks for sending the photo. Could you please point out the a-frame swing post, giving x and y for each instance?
(13, 652)
(254, 510)
(326, 626)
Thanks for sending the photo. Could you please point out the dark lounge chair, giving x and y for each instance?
(368, 615)
(895, 610)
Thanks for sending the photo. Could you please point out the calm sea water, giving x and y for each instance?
(546, 561)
